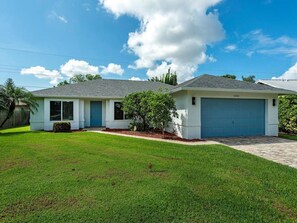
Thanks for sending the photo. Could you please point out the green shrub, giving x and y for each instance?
(136, 126)
(149, 109)
(288, 114)
(137, 106)
(62, 127)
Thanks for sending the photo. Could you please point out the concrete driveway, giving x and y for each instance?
(272, 148)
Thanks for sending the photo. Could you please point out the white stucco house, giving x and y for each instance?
(208, 106)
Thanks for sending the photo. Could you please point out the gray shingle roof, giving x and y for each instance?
(215, 82)
(104, 88)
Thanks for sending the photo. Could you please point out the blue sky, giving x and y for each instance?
(48, 41)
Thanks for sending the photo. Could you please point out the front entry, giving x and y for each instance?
(96, 114)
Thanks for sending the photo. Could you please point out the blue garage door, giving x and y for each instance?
(232, 117)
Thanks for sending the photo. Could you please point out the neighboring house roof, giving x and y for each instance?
(281, 83)
(215, 83)
(102, 88)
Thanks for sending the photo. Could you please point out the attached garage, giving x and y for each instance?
(211, 106)
(232, 117)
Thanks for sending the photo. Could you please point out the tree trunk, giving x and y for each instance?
(5, 120)
(10, 113)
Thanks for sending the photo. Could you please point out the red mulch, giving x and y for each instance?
(151, 134)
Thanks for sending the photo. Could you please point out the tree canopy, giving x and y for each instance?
(168, 78)
(80, 78)
(230, 76)
(250, 78)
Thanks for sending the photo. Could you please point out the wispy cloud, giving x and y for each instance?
(230, 48)
(54, 15)
(257, 42)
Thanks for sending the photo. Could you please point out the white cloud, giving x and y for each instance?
(250, 53)
(71, 68)
(211, 59)
(289, 74)
(184, 71)
(54, 15)
(230, 48)
(172, 33)
(40, 72)
(112, 69)
(74, 67)
(136, 79)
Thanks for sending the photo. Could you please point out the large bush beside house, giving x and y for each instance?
(162, 109)
(137, 106)
(149, 109)
(288, 114)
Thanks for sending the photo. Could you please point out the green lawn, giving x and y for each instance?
(291, 137)
(91, 177)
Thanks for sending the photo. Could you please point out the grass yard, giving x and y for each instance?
(91, 177)
(286, 136)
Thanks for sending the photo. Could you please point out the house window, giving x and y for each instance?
(61, 110)
(55, 111)
(118, 111)
(67, 110)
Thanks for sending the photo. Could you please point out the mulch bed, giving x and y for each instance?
(151, 134)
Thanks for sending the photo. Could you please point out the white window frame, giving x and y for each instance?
(114, 112)
(62, 118)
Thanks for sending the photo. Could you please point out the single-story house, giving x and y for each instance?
(208, 106)
(288, 84)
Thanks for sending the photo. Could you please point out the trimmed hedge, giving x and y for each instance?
(288, 114)
(62, 127)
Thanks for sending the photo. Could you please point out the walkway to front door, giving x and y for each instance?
(96, 114)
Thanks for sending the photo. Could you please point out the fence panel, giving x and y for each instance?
(18, 119)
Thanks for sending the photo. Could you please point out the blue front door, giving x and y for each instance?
(96, 114)
(232, 117)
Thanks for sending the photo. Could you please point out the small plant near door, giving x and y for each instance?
(62, 127)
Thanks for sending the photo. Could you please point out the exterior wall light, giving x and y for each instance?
(193, 101)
